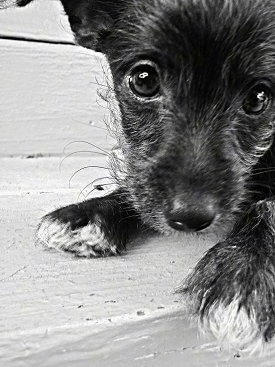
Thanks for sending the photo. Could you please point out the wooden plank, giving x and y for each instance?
(57, 310)
(49, 97)
(43, 20)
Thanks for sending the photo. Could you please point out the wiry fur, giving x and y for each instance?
(193, 146)
(87, 241)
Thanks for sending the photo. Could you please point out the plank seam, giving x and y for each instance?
(37, 40)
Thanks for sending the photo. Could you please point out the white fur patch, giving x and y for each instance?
(87, 241)
(234, 329)
(7, 3)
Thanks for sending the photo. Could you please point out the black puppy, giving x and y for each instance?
(195, 85)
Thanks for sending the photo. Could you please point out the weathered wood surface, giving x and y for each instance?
(49, 92)
(57, 310)
(43, 20)
(49, 97)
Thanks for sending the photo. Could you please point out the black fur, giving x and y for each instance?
(117, 220)
(195, 150)
(244, 266)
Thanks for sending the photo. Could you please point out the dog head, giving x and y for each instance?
(195, 83)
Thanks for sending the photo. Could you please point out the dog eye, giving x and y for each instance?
(257, 100)
(144, 81)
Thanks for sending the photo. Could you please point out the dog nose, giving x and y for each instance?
(193, 219)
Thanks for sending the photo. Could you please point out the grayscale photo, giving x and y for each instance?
(137, 183)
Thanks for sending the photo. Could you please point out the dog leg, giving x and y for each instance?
(232, 288)
(92, 228)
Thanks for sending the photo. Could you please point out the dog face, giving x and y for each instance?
(195, 82)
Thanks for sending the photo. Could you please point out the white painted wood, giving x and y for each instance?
(57, 310)
(49, 97)
(42, 19)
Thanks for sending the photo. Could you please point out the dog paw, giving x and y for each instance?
(232, 289)
(85, 240)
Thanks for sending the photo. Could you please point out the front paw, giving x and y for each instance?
(73, 230)
(232, 289)
(96, 227)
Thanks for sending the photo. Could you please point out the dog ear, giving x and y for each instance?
(93, 20)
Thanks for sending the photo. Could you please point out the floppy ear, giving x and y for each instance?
(93, 20)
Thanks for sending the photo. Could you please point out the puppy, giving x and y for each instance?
(195, 83)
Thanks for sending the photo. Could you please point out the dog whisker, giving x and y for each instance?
(83, 168)
(84, 142)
